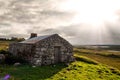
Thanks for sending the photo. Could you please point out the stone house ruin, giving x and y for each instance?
(43, 50)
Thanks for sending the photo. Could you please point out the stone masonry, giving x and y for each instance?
(44, 50)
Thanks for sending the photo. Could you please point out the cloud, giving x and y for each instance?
(26, 16)
(21, 17)
(32, 11)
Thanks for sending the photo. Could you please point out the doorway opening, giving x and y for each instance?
(57, 54)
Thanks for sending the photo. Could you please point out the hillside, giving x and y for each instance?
(108, 57)
(4, 45)
(82, 69)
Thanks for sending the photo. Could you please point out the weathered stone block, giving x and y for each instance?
(52, 49)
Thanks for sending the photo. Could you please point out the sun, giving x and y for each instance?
(94, 12)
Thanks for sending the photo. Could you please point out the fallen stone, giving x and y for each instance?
(2, 56)
(17, 64)
(33, 66)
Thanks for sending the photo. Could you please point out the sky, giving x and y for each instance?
(79, 21)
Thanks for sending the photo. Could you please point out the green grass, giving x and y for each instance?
(107, 53)
(85, 59)
(26, 72)
(82, 69)
(101, 56)
(4, 45)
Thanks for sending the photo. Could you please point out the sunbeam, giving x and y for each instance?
(94, 13)
(79, 21)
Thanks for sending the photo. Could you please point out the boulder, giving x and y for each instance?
(2, 56)
(33, 66)
(17, 64)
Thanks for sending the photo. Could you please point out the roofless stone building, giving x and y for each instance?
(43, 50)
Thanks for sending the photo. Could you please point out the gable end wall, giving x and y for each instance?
(45, 51)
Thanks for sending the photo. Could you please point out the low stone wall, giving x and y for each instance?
(25, 51)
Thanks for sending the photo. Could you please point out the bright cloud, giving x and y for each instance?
(76, 20)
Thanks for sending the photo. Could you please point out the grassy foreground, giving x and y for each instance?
(82, 69)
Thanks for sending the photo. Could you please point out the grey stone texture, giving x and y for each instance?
(2, 58)
(50, 50)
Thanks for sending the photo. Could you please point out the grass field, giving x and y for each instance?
(4, 45)
(107, 53)
(102, 56)
(82, 69)
(88, 66)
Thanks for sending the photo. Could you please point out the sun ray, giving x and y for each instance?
(95, 13)
(92, 11)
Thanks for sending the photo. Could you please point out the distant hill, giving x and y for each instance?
(107, 46)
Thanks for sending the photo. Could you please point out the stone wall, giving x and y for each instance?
(2, 58)
(42, 52)
(45, 51)
(25, 51)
